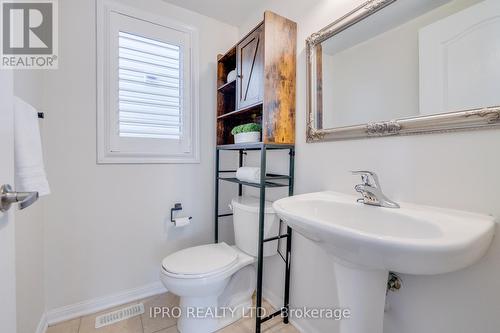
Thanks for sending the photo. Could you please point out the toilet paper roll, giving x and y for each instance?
(181, 222)
(231, 76)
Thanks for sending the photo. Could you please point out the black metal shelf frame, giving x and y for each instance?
(258, 185)
(267, 180)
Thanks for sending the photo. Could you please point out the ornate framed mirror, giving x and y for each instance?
(399, 67)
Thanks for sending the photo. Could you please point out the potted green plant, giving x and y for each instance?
(247, 133)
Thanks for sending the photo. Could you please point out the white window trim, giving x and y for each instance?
(104, 153)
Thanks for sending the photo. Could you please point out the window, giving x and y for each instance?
(149, 88)
(147, 94)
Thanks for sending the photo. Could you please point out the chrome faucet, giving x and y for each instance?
(371, 191)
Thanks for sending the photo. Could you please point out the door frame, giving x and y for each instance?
(8, 310)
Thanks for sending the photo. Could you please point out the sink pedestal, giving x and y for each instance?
(363, 292)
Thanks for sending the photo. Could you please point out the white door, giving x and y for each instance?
(7, 247)
(460, 60)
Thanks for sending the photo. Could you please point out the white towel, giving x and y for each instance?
(30, 172)
(248, 174)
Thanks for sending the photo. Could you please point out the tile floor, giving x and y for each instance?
(146, 324)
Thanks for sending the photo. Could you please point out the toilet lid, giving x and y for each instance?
(200, 260)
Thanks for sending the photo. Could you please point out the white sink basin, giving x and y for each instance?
(413, 239)
(366, 242)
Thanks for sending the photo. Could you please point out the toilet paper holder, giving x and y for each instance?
(177, 207)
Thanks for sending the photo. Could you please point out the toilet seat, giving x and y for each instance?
(200, 261)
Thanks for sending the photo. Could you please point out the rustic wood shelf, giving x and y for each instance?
(256, 108)
(264, 89)
(229, 86)
(228, 55)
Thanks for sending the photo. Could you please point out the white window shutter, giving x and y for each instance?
(149, 88)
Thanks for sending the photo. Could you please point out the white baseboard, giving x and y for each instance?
(277, 302)
(43, 324)
(84, 308)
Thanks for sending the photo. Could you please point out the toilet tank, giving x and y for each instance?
(246, 225)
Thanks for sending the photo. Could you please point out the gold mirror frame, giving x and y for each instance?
(488, 117)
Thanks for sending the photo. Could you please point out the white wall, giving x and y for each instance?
(107, 226)
(30, 270)
(457, 170)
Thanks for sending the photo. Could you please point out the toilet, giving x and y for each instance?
(215, 282)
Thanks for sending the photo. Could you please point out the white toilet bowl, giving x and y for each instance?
(215, 282)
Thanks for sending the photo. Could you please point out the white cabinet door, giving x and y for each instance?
(7, 245)
(460, 60)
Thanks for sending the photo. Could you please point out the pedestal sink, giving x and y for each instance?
(366, 242)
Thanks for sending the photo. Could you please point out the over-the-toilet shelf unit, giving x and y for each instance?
(264, 88)
(263, 92)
